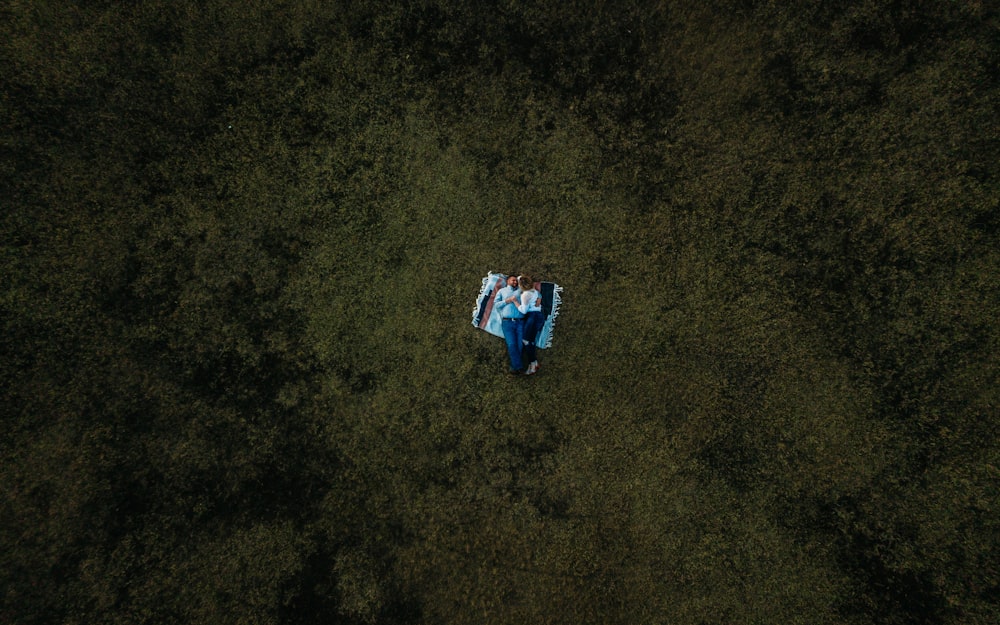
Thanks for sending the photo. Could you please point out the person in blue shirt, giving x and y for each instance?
(507, 301)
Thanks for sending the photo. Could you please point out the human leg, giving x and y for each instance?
(532, 327)
(513, 332)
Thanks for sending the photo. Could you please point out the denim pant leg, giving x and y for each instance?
(532, 326)
(513, 331)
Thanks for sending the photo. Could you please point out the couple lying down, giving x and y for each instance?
(520, 307)
(513, 315)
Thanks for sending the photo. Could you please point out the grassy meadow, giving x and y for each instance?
(241, 246)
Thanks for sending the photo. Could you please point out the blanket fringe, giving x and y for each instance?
(479, 298)
(556, 301)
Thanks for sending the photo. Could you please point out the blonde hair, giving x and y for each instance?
(526, 282)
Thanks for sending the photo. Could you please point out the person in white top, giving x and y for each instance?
(531, 307)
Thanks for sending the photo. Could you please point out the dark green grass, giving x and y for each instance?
(241, 246)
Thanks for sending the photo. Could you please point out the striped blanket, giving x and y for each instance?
(487, 319)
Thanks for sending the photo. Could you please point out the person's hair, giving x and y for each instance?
(526, 282)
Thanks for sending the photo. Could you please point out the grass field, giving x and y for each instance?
(241, 244)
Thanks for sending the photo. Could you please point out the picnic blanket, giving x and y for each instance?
(488, 320)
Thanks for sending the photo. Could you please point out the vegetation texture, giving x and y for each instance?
(240, 246)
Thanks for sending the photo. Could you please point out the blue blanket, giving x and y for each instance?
(487, 319)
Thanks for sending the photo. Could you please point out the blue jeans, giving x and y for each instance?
(532, 326)
(513, 332)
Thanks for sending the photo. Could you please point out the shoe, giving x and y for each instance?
(532, 369)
